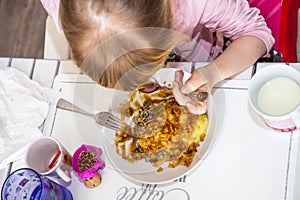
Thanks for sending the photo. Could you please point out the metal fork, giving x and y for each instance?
(103, 118)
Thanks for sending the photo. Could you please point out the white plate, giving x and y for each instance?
(143, 171)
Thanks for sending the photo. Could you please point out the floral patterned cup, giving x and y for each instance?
(27, 184)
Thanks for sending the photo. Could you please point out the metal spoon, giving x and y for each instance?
(154, 85)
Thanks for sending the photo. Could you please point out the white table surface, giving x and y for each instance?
(249, 161)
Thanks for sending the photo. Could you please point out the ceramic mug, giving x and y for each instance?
(274, 93)
(49, 158)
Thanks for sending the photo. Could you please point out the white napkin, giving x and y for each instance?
(23, 108)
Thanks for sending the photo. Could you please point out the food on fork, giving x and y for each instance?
(169, 133)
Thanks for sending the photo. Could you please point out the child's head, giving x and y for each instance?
(115, 31)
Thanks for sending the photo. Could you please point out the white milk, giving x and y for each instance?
(279, 96)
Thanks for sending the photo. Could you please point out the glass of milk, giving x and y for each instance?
(274, 93)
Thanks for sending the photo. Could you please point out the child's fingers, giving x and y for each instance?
(179, 96)
(193, 83)
(197, 108)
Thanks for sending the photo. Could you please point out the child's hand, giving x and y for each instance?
(201, 80)
(194, 106)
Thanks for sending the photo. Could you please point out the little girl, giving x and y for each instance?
(121, 43)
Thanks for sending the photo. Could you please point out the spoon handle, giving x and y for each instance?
(199, 96)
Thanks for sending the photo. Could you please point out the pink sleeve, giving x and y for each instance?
(234, 18)
(52, 6)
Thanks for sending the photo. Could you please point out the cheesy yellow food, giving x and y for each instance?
(157, 129)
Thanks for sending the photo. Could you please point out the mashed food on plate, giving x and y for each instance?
(155, 128)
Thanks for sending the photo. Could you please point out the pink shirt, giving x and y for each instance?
(200, 18)
(51, 6)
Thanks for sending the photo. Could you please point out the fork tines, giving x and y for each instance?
(110, 121)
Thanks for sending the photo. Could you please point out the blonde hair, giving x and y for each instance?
(114, 39)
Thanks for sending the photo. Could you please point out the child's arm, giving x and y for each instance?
(251, 40)
(241, 54)
(52, 6)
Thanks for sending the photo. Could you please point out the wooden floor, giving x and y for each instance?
(22, 28)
